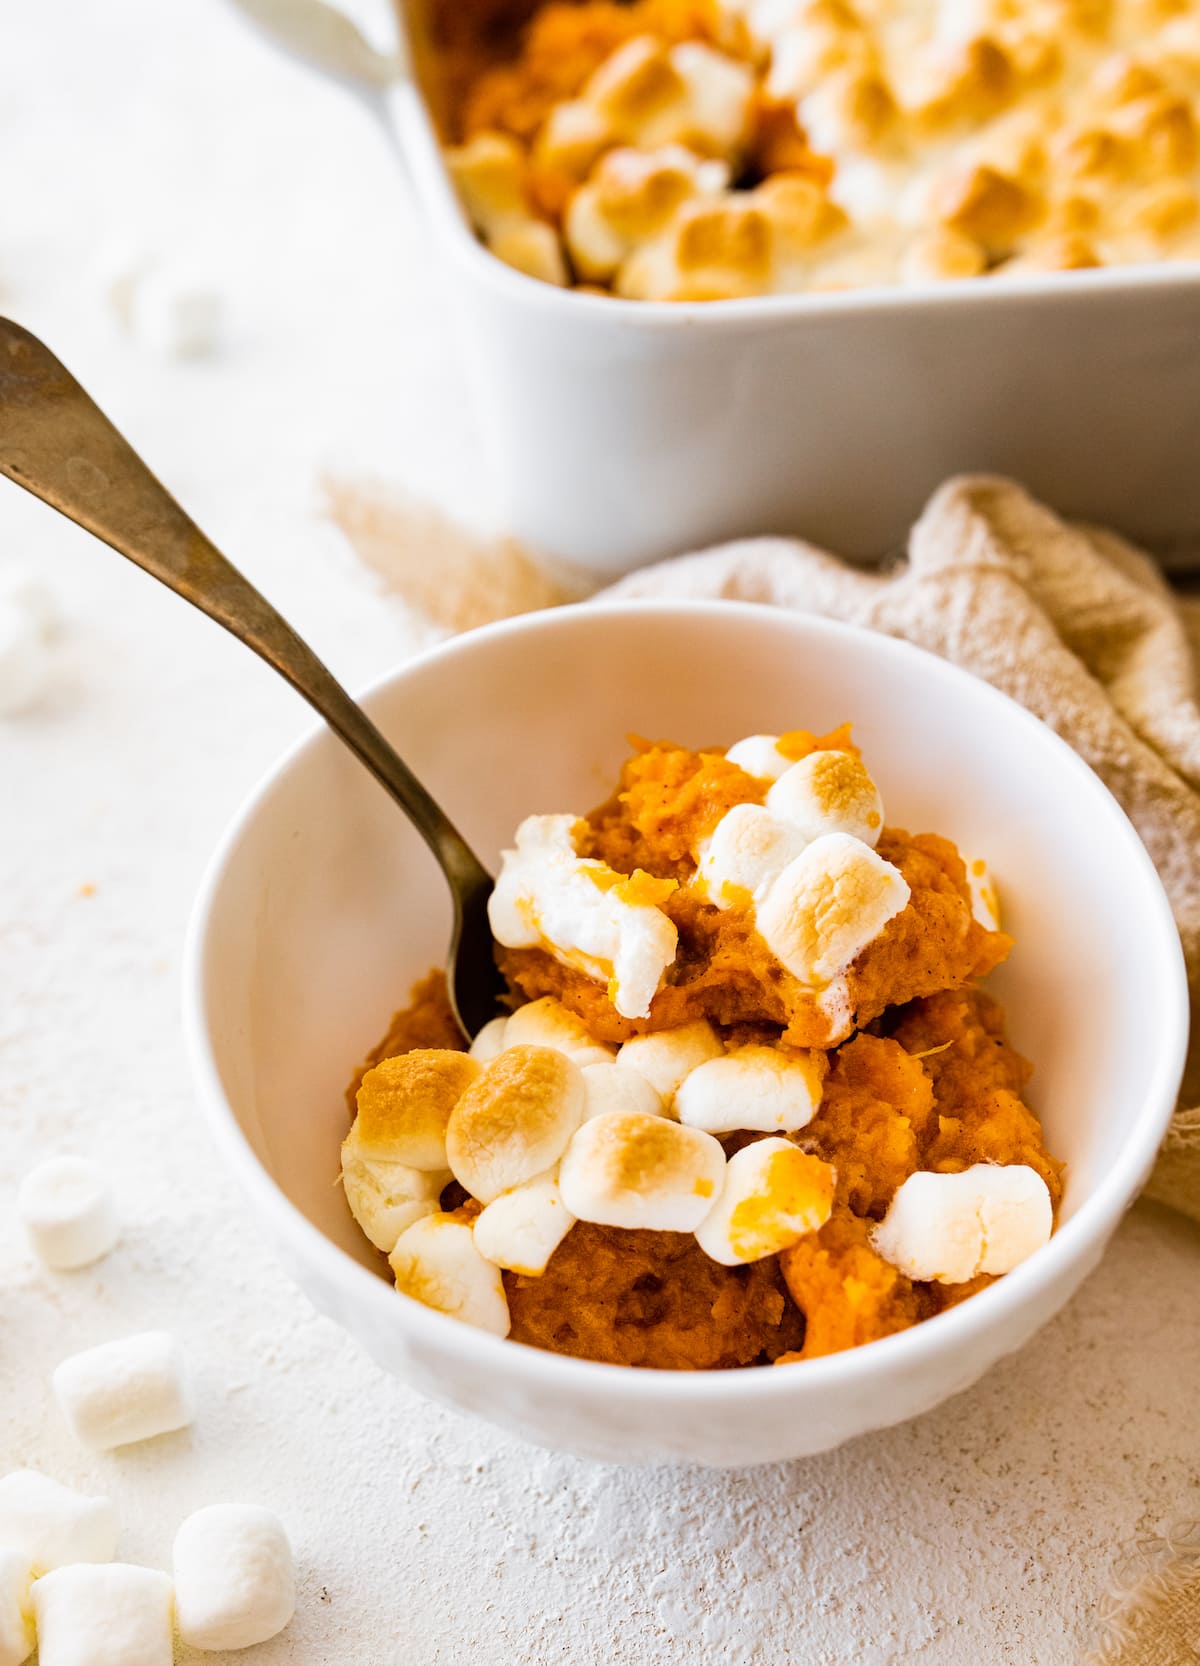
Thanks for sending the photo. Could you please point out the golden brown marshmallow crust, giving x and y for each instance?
(932, 143)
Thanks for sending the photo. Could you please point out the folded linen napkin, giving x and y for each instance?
(1074, 623)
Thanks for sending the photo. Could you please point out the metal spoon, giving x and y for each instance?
(57, 444)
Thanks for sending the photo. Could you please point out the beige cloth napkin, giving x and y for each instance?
(1074, 623)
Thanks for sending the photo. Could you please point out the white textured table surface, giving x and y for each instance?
(983, 1533)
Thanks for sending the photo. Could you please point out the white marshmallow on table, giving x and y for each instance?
(762, 1089)
(177, 312)
(828, 792)
(827, 905)
(51, 1525)
(436, 1262)
(772, 1196)
(16, 1612)
(235, 1584)
(583, 912)
(66, 1207)
(124, 1391)
(667, 1056)
(490, 1041)
(116, 1615)
(548, 1023)
(522, 1229)
(386, 1197)
(24, 658)
(759, 755)
(747, 851)
(628, 1170)
(615, 1087)
(514, 1121)
(952, 1227)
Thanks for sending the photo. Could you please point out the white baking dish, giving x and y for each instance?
(622, 431)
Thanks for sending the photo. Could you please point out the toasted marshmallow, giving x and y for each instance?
(746, 854)
(124, 1391)
(386, 1197)
(533, 247)
(651, 95)
(103, 1616)
(667, 1056)
(586, 915)
(66, 1207)
(16, 1613)
(490, 1042)
(952, 1227)
(940, 255)
(50, 1526)
(985, 899)
(827, 905)
(758, 1088)
(571, 139)
(828, 792)
(522, 1229)
(629, 1170)
(405, 1103)
(514, 1122)
(614, 1087)
(547, 1023)
(992, 207)
(234, 1580)
(630, 198)
(773, 1193)
(437, 1263)
(714, 250)
(489, 175)
(759, 755)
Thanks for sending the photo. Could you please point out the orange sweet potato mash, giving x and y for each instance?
(927, 1081)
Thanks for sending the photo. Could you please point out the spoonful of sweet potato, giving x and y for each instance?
(58, 444)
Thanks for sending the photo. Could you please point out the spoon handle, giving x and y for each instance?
(57, 444)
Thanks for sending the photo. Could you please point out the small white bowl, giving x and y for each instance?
(322, 907)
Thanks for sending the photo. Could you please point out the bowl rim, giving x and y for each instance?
(944, 1333)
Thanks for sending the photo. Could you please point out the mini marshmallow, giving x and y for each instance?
(50, 1525)
(748, 850)
(124, 1391)
(234, 1580)
(630, 198)
(111, 1616)
(773, 1194)
(533, 247)
(651, 95)
(489, 175)
(624, 1169)
(667, 1056)
(757, 1088)
(522, 1229)
(952, 1227)
(586, 915)
(66, 1208)
(386, 1197)
(985, 900)
(405, 1103)
(436, 1262)
(178, 313)
(16, 1616)
(759, 755)
(24, 659)
(514, 1122)
(614, 1087)
(490, 1042)
(827, 905)
(547, 1023)
(828, 792)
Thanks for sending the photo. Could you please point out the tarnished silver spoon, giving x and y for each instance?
(58, 444)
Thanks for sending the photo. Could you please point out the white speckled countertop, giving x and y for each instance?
(983, 1533)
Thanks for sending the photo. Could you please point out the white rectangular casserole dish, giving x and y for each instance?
(620, 431)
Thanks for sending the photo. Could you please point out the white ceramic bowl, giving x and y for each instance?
(322, 907)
